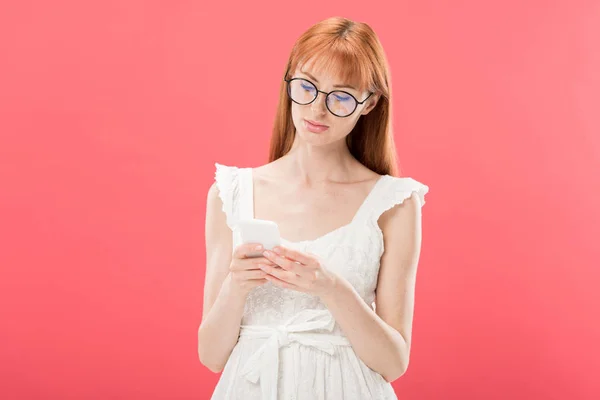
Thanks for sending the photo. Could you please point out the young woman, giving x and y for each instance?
(328, 314)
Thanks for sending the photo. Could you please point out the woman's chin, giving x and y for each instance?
(322, 139)
(313, 137)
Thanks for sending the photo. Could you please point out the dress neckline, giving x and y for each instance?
(358, 212)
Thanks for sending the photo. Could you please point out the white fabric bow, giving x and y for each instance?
(263, 365)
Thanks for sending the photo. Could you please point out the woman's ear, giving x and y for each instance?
(371, 103)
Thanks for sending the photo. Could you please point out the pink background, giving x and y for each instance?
(112, 114)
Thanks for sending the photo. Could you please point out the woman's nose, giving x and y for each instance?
(319, 104)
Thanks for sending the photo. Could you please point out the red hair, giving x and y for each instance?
(353, 50)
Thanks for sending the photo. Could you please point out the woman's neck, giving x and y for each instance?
(311, 164)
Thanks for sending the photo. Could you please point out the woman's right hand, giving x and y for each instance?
(244, 272)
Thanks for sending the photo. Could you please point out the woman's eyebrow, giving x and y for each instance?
(335, 86)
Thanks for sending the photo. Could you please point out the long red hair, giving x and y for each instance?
(353, 50)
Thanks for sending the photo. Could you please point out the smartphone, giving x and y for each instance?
(259, 231)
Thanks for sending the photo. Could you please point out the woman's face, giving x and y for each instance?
(327, 127)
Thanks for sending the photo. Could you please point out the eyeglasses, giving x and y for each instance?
(339, 103)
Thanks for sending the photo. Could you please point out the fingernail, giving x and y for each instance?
(259, 247)
(277, 250)
(267, 253)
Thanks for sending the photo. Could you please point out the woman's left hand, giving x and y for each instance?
(299, 271)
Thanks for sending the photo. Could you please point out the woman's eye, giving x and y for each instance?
(341, 98)
(305, 87)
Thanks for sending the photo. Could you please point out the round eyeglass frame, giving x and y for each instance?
(326, 96)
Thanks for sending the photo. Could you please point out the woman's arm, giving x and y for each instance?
(223, 307)
(381, 338)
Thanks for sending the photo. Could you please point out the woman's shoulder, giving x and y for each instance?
(406, 181)
(271, 172)
(227, 176)
(225, 167)
(232, 168)
(226, 187)
(225, 179)
(227, 172)
(400, 188)
(224, 174)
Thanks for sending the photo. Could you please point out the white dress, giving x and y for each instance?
(290, 347)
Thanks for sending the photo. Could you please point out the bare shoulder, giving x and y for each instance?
(213, 199)
(269, 175)
(269, 170)
(402, 215)
(368, 175)
(216, 227)
(213, 192)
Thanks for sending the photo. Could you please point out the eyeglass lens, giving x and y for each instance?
(304, 92)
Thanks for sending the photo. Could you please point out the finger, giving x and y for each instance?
(279, 260)
(252, 275)
(250, 263)
(283, 284)
(280, 273)
(287, 264)
(247, 249)
(295, 255)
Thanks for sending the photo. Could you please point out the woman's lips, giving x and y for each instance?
(315, 127)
